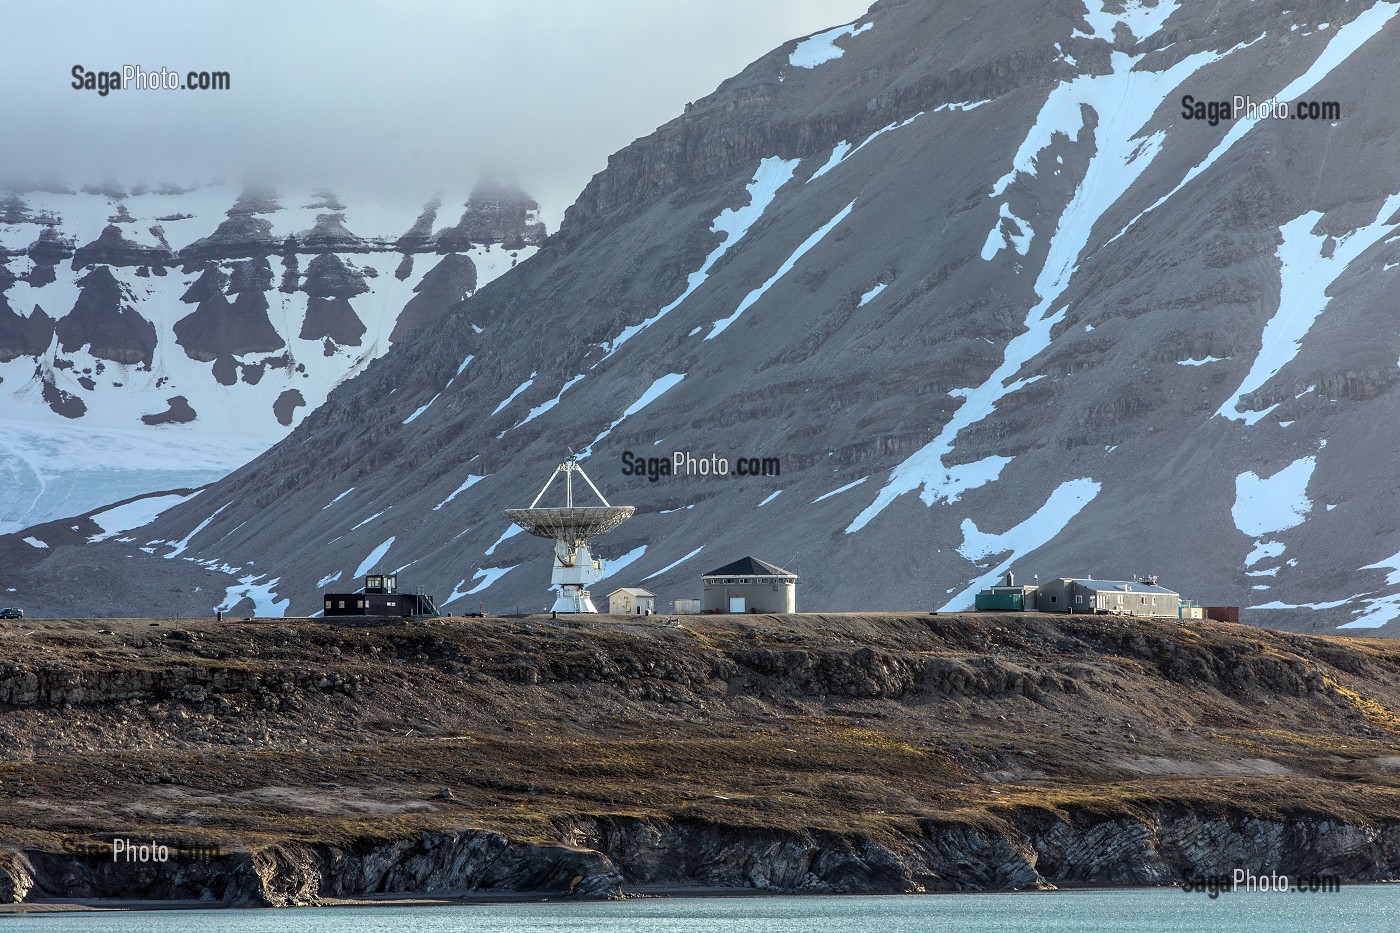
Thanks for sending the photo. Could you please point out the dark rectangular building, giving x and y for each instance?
(381, 597)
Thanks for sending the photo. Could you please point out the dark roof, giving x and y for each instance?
(749, 567)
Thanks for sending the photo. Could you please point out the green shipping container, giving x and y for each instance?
(1009, 601)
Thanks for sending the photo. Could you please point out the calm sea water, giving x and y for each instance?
(1368, 909)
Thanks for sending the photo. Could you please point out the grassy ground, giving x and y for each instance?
(249, 732)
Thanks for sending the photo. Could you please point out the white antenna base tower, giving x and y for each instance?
(573, 574)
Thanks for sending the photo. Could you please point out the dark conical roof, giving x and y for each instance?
(749, 567)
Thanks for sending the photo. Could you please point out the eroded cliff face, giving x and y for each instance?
(834, 753)
(615, 857)
(295, 875)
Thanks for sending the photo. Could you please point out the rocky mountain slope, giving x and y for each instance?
(992, 297)
(159, 337)
(285, 764)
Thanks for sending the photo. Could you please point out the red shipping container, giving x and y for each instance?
(1223, 613)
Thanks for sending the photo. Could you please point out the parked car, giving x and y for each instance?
(10, 613)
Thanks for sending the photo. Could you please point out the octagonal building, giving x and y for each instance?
(749, 585)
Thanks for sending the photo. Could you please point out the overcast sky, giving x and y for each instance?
(382, 99)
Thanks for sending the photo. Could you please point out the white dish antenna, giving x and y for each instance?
(571, 528)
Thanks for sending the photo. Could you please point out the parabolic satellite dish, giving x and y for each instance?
(570, 528)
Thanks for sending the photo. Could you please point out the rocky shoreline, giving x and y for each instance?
(296, 762)
(612, 858)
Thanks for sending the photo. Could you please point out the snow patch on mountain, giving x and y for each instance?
(265, 601)
(843, 150)
(888, 128)
(618, 564)
(471, 480)
(337, 498)
(456, 594)
(1376, 613)
(1124, 99)
(1067, 501)
(961, 105)
(1341, 46)
(838, 490)
(184, 543)
(1391, 563)
(487, 576)
(734, 223)
(1010, 230)
(1265, 505)
(1382, 610)
(518, 389)
(872, 293)
(838, 155)
(1142, 21)
(135, 514)
(365, 521)
(654, 391)
(374, 557)
(414, 417)
(509, 533)
(723, 324)
(1332, 604)
(460, 369)
(544, 406)
(1308, 266)
(822, 47)
(1264, 550)
(673, 564)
